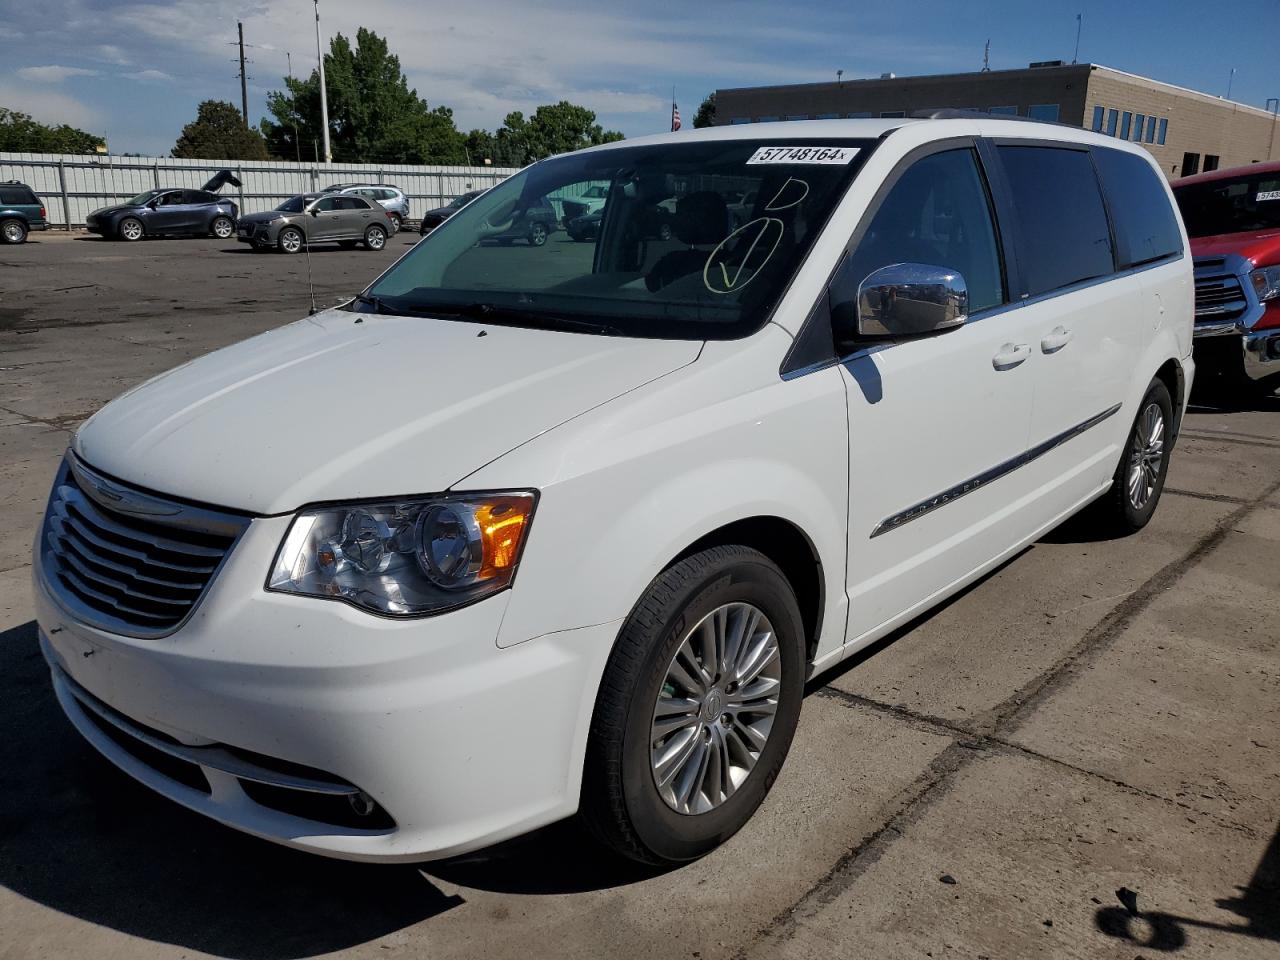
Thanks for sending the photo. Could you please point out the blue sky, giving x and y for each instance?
(136, 70)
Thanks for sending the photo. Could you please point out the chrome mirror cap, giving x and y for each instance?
(911, 299)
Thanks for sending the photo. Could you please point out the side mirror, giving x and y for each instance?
(911, 300)
(314, 211)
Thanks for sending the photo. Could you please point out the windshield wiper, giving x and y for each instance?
(501, 315)
(378, 304)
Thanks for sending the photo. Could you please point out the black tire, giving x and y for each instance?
(375, 238)
(396, 222)
(537, 235)
(290, 240)
(621, 804)
(130, 229)
(1117, 512)
(664, 231)
(223, 228)
(13, 230)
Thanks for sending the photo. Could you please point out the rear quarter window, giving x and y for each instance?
(1141, 213)
(1062, 236)
(17, 196)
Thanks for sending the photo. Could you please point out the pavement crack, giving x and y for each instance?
(1211, 497)
(1269, 444)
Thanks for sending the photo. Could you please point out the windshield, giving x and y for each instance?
(669, 258)
(1239, 205)
(295, 204)
(143, 198)
(463, 200)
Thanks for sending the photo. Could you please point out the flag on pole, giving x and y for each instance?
(675, 117)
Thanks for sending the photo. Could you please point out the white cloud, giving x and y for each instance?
(111, 53)
(148, 76)
(49, 106)
(53, 73)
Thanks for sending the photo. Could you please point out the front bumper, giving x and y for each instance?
(460, 743)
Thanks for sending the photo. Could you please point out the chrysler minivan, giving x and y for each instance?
(521, 533)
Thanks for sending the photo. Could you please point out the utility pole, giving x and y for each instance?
(986, 57)
(324, 95)
(297, 146)
(1273, 104)
(1075, 57)
(1231, 82)
(244, 88)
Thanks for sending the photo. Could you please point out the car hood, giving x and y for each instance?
(114, 208)
(345, 405)
(1260, 246)
(265, 217)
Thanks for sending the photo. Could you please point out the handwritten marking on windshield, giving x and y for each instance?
(761, 230)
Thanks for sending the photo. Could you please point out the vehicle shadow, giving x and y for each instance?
(1258, 904)
(80, 837)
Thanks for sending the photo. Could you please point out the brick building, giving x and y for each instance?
(1187, 131)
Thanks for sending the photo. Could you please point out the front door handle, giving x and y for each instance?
(1057, 338)
(1010, 355)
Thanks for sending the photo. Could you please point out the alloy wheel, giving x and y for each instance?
(291, 241)
(375, 239)
(715, 709)
(131, 230)
(1146, 456)
(223, 228)
(13, 232)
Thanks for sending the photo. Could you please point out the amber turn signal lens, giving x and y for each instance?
(503, 522)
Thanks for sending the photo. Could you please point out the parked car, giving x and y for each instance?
(1233, 219)
(20, 212)
(656, 225)
(391, 199)
(166, 212)
(438, 215)
(534, 221)
(504, 538)
(317, 218)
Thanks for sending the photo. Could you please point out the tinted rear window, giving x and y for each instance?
(1063, 237)
(1146, 228)
(17, 195)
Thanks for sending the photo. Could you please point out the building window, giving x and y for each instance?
(1190, 164)
(1004, 111)
(1043, 111)
(1210, 162)
(740, 120)
(1097, 119)
(828, 116)
(766, 119)
(860, 115)
(1126, 121)
(799, 116)
(1139, 122)
(890, 114)
(1164, 128)
(1151, 129)
(1112, 117)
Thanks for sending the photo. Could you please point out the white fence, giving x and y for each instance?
(71, 185)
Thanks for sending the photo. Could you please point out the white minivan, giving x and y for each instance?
(522, 532)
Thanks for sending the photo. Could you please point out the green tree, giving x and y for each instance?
(20, 133)
(218, 133)
(553, 128)
(374, 116)
(706, 115)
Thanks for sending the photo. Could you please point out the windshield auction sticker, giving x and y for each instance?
(1263, 195)
(827, 155)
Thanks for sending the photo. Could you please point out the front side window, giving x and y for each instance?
(677, 253)
(1237, 205)
(938, 214)
(1145, 225)
(1062, 225)
(326, 203)
(172, 199)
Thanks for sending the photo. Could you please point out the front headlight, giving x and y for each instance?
(406, 558)
(1266, 282)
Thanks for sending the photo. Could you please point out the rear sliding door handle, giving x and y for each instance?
(1056, 339)
(1010, 355)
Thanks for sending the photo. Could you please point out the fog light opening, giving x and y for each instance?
(361, 803)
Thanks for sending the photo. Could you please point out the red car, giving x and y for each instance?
(1233, 220)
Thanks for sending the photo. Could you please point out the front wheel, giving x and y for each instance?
(1139, 478)
(375, 238)
(130, 229)
(695, 714)
(537, 235)
(13, 231)
(290, 240)
(222, 227)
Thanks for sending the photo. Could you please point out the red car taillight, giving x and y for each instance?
(42, 213)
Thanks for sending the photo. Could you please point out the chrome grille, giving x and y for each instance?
(128, 561)
(1225, 301)
(1219, 298)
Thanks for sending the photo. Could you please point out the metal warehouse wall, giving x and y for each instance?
(71, 185)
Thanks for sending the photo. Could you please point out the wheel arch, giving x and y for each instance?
(783, 542)
(1174, 378)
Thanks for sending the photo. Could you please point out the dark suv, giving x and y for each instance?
(166, 212)
(20, 212)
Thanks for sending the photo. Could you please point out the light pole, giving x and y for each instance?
(1273, 104)
(324, 95)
